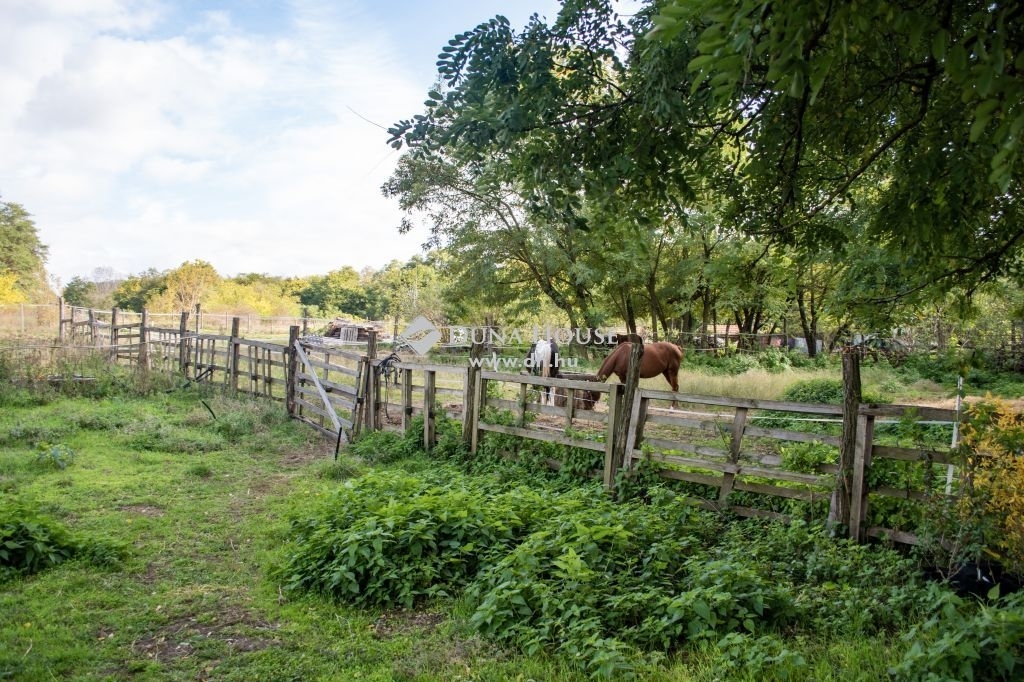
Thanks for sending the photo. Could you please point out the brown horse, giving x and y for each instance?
(660, 357)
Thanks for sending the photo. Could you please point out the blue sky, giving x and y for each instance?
(146, 133)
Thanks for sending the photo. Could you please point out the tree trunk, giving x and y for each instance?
(630, 315)
(808, 323)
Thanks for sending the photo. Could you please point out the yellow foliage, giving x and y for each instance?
(9, 292)
(993, 439)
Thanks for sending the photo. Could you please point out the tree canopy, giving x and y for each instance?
(849, 135)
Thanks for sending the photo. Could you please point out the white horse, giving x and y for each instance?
(542, 360)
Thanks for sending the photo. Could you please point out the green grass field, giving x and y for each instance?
(197, 505)
(183, 501)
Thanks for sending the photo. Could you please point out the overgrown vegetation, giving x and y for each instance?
(204, 535)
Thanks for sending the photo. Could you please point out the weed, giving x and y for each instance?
(31, 541)
(341, 469)
(807, 457)
(199, 470)
(58, 456)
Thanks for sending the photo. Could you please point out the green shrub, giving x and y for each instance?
(962, 641)
(739, 363)
(390, 539)
(775, 360)
(807, 457)
(36, 434)
(386, 447)
(58, 456)
(341, 469)
(815, 391)
(31, 541)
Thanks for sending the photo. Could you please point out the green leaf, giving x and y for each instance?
(956, 63)
(701, 608)
(939, 42)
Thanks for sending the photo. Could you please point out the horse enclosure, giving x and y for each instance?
(728, 452)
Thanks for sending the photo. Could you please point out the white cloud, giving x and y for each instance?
(139, 136)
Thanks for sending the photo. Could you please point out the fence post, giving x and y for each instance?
(469, 404)
(113, 333)
(406, 398)
(182, 343)
(60, 320)
(372, 382)
(635, 435)
(71, 324)
(861, 462)
(739, 421)
(93, 328)
(611, 457)
(842, 495)
(293, 369)
(144, 341)
(624, 410)
(235, 347)
(429, 426)
(480, 401)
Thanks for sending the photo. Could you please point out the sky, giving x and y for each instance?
(250, 134)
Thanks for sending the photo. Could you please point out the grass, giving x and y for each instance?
(191, 599)
(200, 528)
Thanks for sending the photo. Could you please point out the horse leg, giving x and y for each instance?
(673, 381)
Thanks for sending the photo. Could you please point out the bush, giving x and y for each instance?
(991, 447)
(815, 391)
(390, 539)
(964, 642)
(807, 457)
(31, 541)
(58, 456)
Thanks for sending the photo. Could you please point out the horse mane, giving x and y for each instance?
(550, 368)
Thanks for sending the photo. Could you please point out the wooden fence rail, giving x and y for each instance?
(726, 450)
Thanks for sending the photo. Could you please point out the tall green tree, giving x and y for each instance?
(79, 292)
(136, 292)
(22, 255)
(496, 245)
(339, 291)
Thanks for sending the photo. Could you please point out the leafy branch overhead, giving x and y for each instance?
(819, 126)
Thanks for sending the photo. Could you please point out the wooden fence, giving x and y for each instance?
(726, 450)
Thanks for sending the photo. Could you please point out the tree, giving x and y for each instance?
(189, 283)
(339, 291)
(571, 148)
(9, 292)
(79, 292)
(22, 254)
(497, 248)
(908, 115)
(137, 291)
